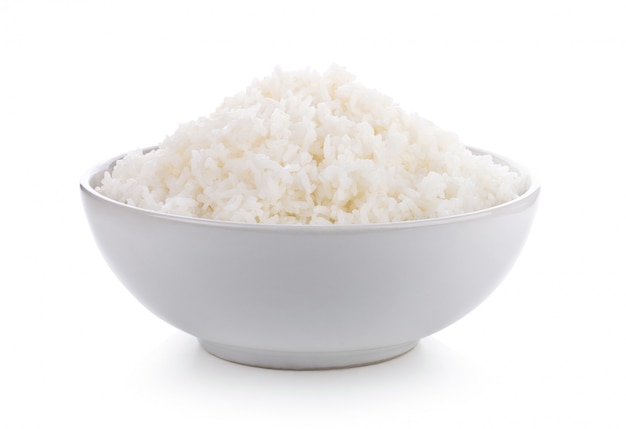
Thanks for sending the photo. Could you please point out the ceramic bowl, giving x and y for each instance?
(305, 296)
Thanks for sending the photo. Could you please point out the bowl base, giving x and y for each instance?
(305, 360)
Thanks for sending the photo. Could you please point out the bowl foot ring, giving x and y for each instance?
(305, 360)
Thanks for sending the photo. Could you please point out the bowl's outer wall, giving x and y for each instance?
(297, 290)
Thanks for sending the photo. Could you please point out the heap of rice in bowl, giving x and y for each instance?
(310, 148)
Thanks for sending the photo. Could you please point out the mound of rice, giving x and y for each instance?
(310, 148)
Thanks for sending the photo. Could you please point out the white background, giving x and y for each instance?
(542, 82)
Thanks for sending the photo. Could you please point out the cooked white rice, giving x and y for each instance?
(309, 148)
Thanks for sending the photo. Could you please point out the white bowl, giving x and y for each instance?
(308, 297)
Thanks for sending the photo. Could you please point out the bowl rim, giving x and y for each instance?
(521, 201)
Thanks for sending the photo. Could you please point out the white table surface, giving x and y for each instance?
(541, 82)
